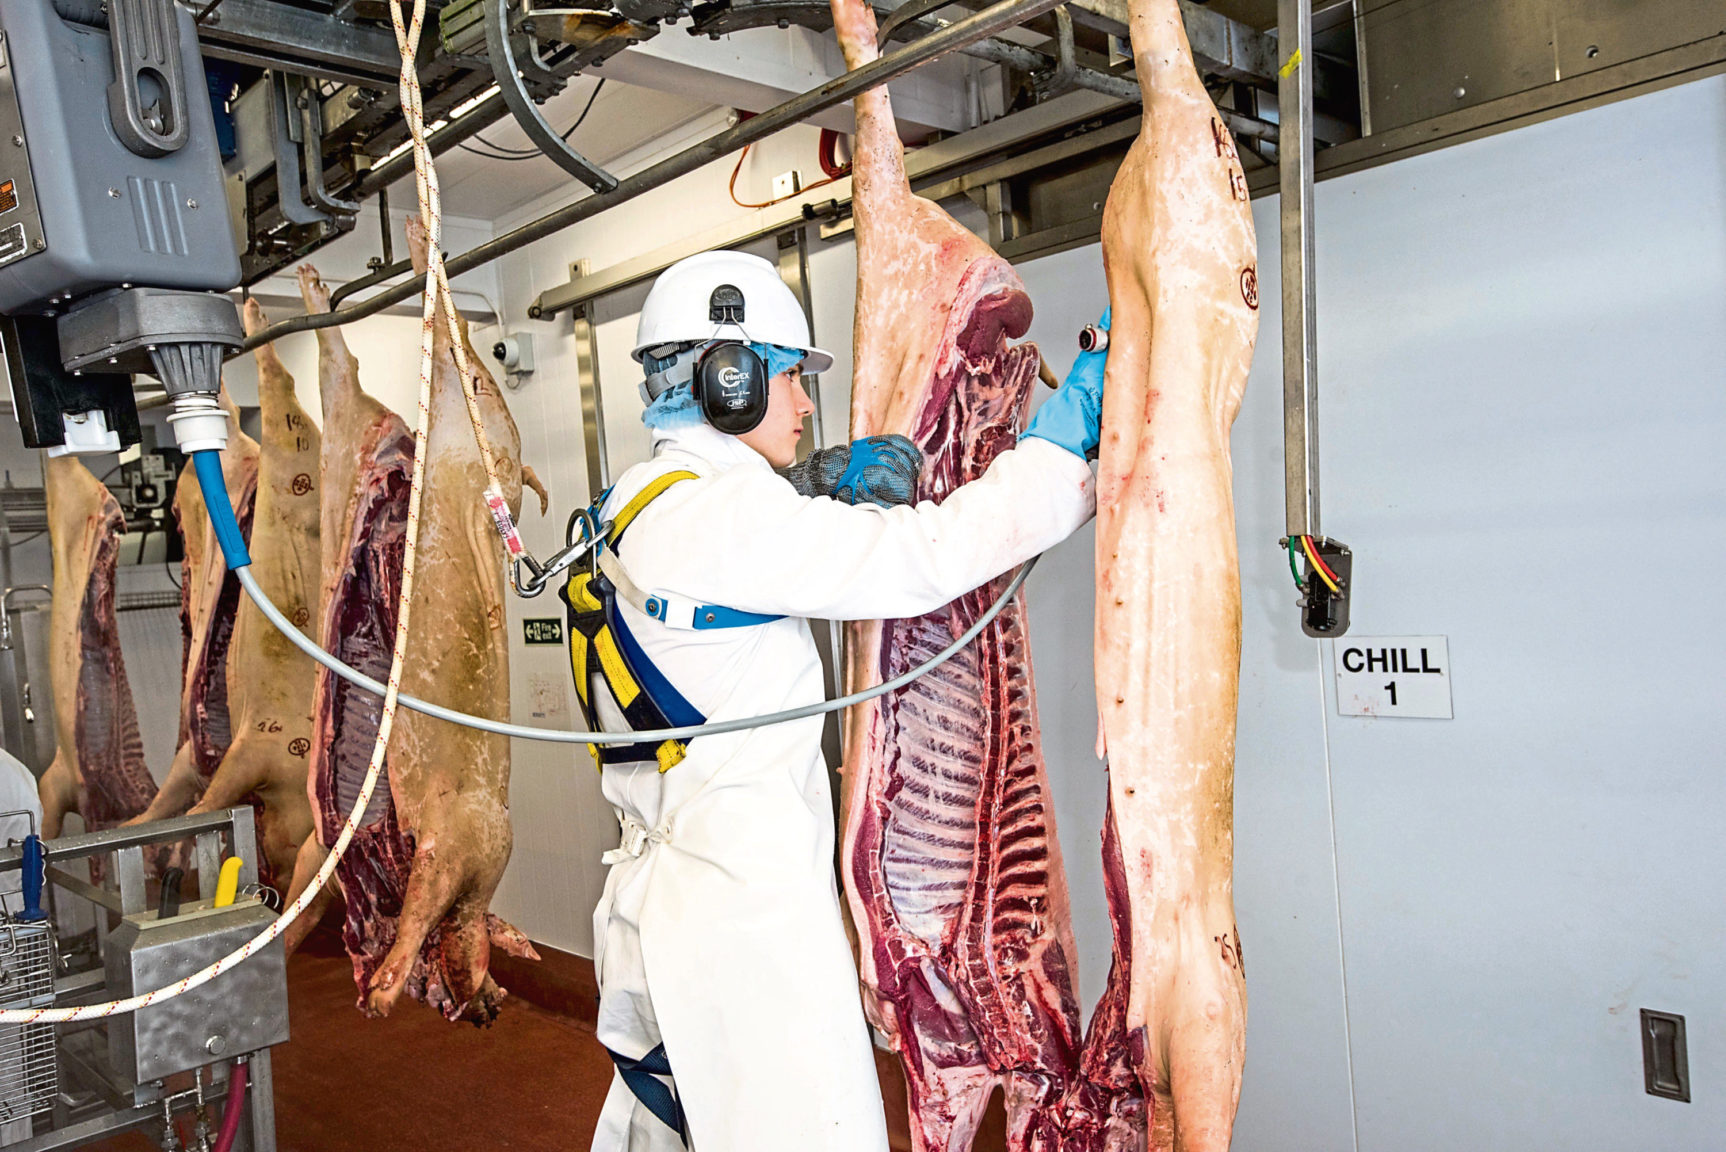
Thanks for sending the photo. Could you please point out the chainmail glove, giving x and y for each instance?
(875, 470)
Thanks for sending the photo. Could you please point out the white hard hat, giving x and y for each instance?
(680, 307)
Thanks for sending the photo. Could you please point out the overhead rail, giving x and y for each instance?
(488, 111)
(1010, 141)
(996, 18)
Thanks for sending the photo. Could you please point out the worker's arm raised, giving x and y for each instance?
(745, 539)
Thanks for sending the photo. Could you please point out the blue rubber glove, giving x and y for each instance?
(875, 470)
(1073, 416)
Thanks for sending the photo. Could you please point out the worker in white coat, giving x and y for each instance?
(728, 991)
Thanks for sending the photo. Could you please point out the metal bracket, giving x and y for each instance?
(312, 150)
(505, 70)
(716, 19)
(1324, 612)
(905, 14)
(147, 100)
(1065, 72)
(286, 131)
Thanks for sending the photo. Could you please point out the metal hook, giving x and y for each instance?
(592, 538)
(1066, 69)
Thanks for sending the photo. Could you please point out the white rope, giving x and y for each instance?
(437, 287)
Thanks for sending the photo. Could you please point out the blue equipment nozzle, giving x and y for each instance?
(207, 462)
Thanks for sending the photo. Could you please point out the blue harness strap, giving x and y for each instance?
(642, 1078)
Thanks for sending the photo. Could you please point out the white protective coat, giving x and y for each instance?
(719, 931)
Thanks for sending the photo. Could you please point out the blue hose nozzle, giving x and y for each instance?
(207, 462)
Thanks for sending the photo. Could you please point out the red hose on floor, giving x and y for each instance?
(233, 1109)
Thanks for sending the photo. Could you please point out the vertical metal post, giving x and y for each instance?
(794, 270)
(261, 1102)
(1300, 326)
(244, 842)
(592, 404)
(1363, 81)
(129, 863)
(829, 635)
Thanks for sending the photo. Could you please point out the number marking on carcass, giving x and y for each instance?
(1220, 136)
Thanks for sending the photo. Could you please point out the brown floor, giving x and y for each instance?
(533, 1081)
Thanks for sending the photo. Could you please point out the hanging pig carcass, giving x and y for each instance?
(1180, 254)
(950, 861)
(209, 598)
(420, 872)
(271, 682)
(98, 769)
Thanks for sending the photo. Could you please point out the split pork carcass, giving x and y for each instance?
(98, 769)
(209, 597)
(271, 682)
(950, 861)
(419, 876)
(365, 463)
(1180, 255)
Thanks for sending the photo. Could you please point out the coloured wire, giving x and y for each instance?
(1319, 566)
(1318, 558)
(1294, 568)
(512, 155)
(829, 164)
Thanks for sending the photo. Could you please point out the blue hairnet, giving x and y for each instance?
(677, 407)
(778, 359)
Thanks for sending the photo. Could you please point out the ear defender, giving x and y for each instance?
(731, 385)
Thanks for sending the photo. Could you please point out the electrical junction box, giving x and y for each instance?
(242, 1010)
(79, 209)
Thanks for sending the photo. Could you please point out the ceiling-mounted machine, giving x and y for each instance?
(115, 250)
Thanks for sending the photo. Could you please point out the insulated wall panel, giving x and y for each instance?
(1522, 411)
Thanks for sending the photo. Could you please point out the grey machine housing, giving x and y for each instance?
(113, 215)
(243, 1010)
(91, 212)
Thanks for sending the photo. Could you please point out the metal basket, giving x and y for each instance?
(29, 1067)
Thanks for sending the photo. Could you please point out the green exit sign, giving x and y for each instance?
(542, 630)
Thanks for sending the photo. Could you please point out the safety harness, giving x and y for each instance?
(609, 666)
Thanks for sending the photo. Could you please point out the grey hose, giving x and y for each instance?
(559, 736)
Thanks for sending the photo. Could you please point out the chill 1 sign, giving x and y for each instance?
(1393, 676)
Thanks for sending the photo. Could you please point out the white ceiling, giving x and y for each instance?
(623, 116)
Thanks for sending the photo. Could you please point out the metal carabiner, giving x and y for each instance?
(592, 538)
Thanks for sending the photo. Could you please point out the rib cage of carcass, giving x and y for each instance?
(950, 861)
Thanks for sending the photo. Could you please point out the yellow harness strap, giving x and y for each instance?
(602, 649)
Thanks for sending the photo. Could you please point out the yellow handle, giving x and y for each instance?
(228, 886)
